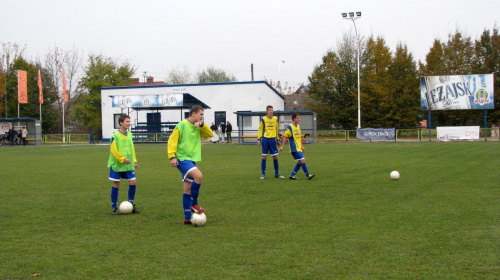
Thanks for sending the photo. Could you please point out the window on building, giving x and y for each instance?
(220, 117)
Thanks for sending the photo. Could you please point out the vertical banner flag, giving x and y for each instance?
(65, 95)
(22, 86)
(40, 88)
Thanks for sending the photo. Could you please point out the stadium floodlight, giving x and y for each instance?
(353, 18)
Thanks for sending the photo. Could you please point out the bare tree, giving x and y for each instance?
(179, 76)
(71, 61)
(10, 52)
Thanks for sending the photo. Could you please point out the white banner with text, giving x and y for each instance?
(450, 133)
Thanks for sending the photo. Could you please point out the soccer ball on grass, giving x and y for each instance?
(198, 219)
(126, 207)
(394, 175)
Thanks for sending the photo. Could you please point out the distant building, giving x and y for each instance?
(297, 100)
(157, 108)
(149, 82)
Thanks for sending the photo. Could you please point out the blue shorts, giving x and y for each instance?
(269, 146)
(298, 156)
(185, 167)
(117, 176)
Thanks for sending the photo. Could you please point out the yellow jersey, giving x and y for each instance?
(268, 128)
(294, 134)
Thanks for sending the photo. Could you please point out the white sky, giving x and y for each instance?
(158, 35)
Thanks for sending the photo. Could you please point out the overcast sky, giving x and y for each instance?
(158, 35)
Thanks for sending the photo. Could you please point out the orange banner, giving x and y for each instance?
(22, 86)
(40, 88)
(65, 95)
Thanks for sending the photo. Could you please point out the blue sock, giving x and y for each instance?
(296, 169)
(131, 193)
(114, 197)
(304, 167)
(186, 204)
(276, 169)
(195, 191)
(263, 166)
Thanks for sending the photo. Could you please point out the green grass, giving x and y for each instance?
(441, 220)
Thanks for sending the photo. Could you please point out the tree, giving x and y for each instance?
(286, 89)
(99, 72)
(178, 76)
(71, 61)
(376, 84)
(487, 60)
(404, 90)
(333, 86)
(389, 86)
(10, 52)
(213, 75)
(31, 109)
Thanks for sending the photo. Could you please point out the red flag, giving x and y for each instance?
(22, 86)
(40, 88)
(65, 95)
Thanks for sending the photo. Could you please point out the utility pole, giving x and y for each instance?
(251, 70)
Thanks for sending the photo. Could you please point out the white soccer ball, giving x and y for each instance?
(126, 207)
(198, 219)
(394, 175)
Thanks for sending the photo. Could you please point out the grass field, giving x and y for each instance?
(441, 220)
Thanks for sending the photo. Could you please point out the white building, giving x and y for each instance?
(163, 106)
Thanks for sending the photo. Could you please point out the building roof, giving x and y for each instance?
(197, 85)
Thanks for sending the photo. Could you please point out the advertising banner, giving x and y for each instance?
(449, 133)
(380, 134)
(22, 86)
(157, 100)
(457, 92)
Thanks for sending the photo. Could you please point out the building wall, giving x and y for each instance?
(226, 97)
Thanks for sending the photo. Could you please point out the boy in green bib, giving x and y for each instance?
(183, 151)
(122, 163)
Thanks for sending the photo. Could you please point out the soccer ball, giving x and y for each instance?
(198, 219)
(126, 207)
(394, 175)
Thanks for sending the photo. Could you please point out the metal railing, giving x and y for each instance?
(322, 135)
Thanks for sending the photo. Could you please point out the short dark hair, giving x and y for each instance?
(295, 115)
(122, 118)
(195, 109)
(269, 107)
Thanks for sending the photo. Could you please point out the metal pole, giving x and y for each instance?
(352, 17)
(359, 88)
(485, 125)
(64, 135)
(5, 94)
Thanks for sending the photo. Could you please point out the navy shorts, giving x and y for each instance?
(269, 146)
(298, 156)
(185, 167)
(117, 176)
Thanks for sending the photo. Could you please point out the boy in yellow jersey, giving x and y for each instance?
(268, 136)
(184, 150)
(294, 135)
(122, 163)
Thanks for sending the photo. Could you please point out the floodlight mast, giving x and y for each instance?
(353, 17)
